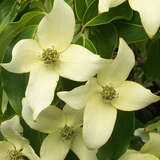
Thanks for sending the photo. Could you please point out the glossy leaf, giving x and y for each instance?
(123, 11)
(8, 12)
(105, 39)
(80, 8)
(131, 32)
(91, 12)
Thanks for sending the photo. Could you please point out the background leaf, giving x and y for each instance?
(152, 65)
(123, 11)
(105, 39)
(80, 8)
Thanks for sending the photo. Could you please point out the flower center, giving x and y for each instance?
(16, 155)
(108, 93)
(67, 133)
(50, 55)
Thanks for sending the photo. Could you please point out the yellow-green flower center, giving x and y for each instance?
(50, 56)
(67, 133)
(16, 155)
(108, 93)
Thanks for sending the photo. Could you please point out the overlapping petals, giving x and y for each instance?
(78, 97)
(149, 151)
(12, 131)
(54, 143)
(101, 106)
(54, 35)
(149, 13)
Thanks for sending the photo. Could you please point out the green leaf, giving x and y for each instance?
(91, 12)
(71, 156)
(15, 84)
(85, 42)
(123, 11)
(8, 12)
(152, 65)
(120, 139)
(105, 39)
(9, 113)
(88, 2)
(13, 29)
(80, 8)
(131, 32)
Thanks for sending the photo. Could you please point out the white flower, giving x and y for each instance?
(140, 132)
(150, 150)
(104, 5)
(15, 146)
(150, 14)
(52, 55)
(102, 96)
(64, 129)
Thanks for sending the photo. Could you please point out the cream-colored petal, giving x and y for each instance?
(57, 28)
(29, 153)
(73, 117)
(140, 132)
(81, 150)
(150, 14)
(5, 148)
(78, 63)
(78, 97)
(153, 145)
(54, 148)
(116, 71)
(4, 101)
(132, 96)
(134, 155)
(104, 5)
(115, 3)
(99, 121)
(25, 54)
(41, 87)
(48, 121)
(12, 131)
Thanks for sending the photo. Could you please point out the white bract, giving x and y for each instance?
(15, 147)
(104, 5)
(150, 150)
(51, 55)
(64, 129)
(102, 96)
(150, 14)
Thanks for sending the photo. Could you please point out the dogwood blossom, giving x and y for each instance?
(15, 146)
(51, 55)
(149, 13)
(150, 150)
(64, 129)
(104, 5)
(102, 96)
